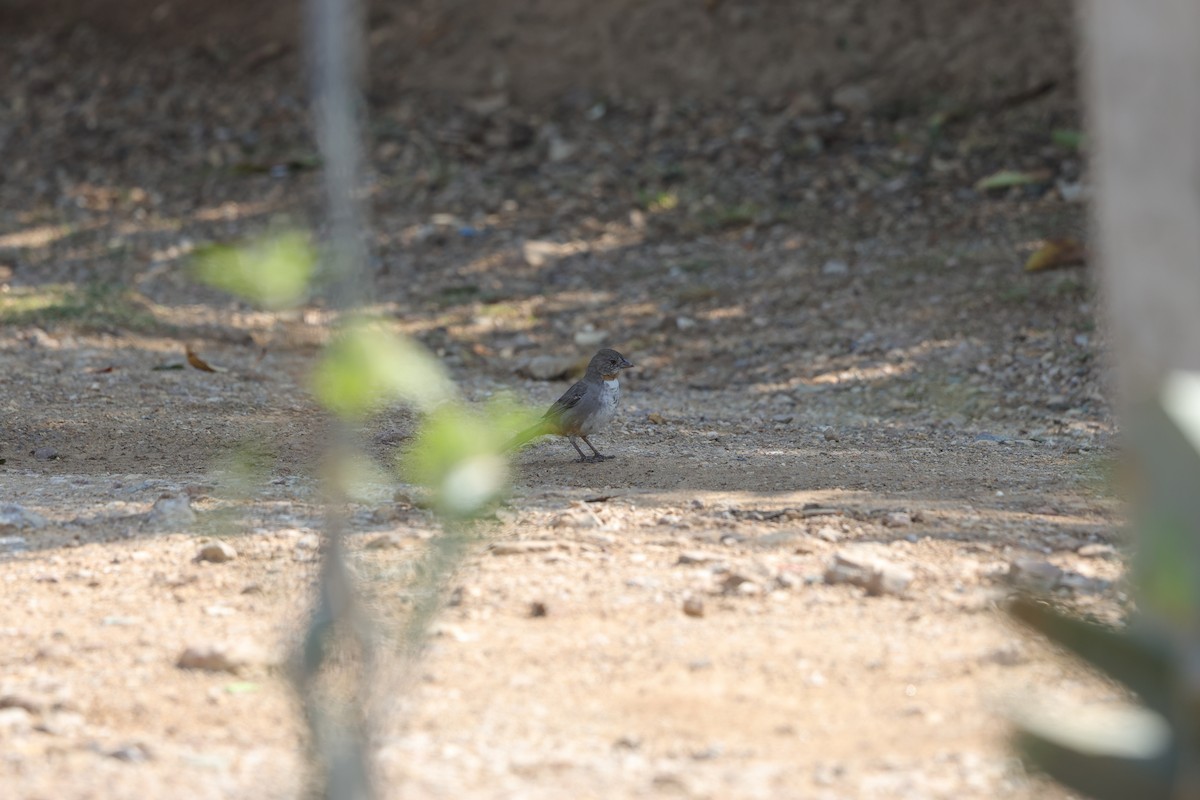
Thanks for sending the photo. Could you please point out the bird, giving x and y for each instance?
(585, 408)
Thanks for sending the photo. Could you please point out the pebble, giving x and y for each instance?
(13, 544)
(520, 547)
(835, 267)
(693, 607)
(214, 658)
(132, 753)
(590, 338)
(831, 435)
(1034, 574)
(309, 541)
(1009, 655)
(696, 557)
(1097, 550)
(15, 721)
(14, 518)
(876, 576)
(828, 534)
(547, 368)
(171, 511)
(897, 519)
(385, 541)
(45, 453)
(217, 552)
(538, 609)
(852, 98)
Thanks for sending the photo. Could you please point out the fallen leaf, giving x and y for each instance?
(199, 363)
(1069, 139)
(1007, 178)
(102, 370)
(1057, 253)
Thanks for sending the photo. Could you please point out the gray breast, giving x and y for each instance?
(606, 409)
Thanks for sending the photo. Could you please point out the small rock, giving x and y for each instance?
(828, 534)
(559, 150)
(538, 609)
(989, 438)
(788, 579)
(852, 98)
(171, 511)
(60, 723)
(685, 323)
(670, 519)
(655, 418)
(735, 581)
(216, 658)
(897, 519)
(45, 453)
(539, 253)
(385, 541)
(877, 577)
(1033, 574)
(309, 541)
(1097, 550)
(696, 557)
(12, 544)
(132, 753)
(782, 419)
(590, 338)
(1009, 655)
(835, 267)
(547, 368)
(831, 435)
(520, 547)
(693, 607)
(386, 514)
(252, 588)
(15, 721)
(14, 518)
(217, 552)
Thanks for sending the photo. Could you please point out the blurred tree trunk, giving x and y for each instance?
(1142, 62)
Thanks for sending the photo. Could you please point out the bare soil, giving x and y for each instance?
(837, 352)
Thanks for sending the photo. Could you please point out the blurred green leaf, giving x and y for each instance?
(1070, 139)
(367, 366)
(1098, 774)
(1139, 661)
(273, 272)
(458, 454)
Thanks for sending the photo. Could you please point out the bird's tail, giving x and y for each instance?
(526, 436)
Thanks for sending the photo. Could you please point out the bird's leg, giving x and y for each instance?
(582, 457)
(598, 456)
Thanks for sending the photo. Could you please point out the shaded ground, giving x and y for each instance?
(837, 352)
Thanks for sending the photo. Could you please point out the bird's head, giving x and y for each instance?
(607, 363)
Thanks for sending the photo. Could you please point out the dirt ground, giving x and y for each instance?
(838, 357)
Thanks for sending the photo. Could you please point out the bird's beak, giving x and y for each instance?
(625, 363)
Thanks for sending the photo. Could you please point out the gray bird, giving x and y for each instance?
(586, 407)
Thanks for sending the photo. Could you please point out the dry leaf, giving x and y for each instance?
(1057, 253)
(1007, 178)
(198, 362)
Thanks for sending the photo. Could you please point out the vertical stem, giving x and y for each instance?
(336, 44)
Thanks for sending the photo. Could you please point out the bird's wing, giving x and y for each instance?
(569, 400)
